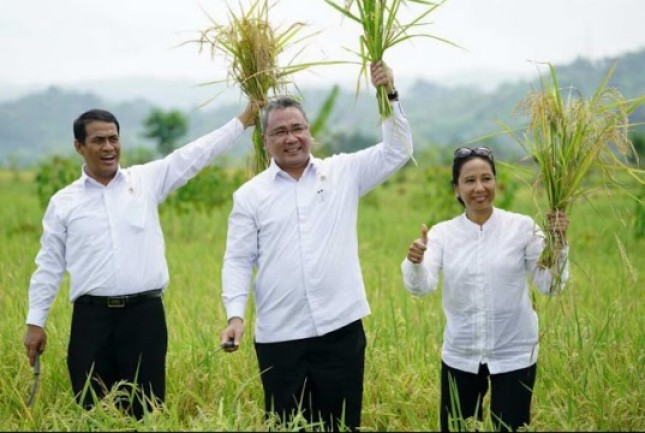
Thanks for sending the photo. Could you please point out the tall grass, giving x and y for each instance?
(570, 137)
(382, 30)
(591, 351)
(253, 49)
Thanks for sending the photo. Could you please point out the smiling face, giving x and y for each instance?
(476, 188)
(100, 150)
(288, 140)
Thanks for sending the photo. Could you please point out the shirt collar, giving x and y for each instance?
(313, 164)
(488, 225)
(85, 179)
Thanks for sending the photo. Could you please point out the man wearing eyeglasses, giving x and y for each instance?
(295, 223)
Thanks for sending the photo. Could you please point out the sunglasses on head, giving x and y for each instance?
(465, 152)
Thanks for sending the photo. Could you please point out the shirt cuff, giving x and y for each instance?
(398, 109)
(235, 310)
(239, 126)
(37, 317)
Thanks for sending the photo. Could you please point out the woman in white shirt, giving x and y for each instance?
(491, 334)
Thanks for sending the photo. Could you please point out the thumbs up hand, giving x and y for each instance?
(418, 247)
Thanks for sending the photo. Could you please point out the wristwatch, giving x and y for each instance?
(394, 95)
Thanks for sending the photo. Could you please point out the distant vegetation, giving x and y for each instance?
(39, 125)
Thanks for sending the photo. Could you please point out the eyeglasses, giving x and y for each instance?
(296, 130)
(465, 152)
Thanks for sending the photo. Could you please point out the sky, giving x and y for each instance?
(45, 42)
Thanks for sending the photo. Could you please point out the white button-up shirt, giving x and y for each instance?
(486, 298)
(108, 237)
(301, 236)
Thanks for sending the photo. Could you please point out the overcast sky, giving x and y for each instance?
(46, 42)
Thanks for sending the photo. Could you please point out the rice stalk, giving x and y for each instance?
(252, 47)
(569, 137)
(381, 31)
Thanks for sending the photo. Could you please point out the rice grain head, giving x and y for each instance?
(571, 137)
(251, 47)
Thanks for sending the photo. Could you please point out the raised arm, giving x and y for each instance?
(184, 163)
(377, 163)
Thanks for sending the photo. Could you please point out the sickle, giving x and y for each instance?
(34, 387)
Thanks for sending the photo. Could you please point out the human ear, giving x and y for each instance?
(78, 146)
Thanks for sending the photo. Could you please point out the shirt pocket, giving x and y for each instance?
(135, 213)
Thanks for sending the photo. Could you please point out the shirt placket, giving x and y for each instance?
(109, 203)
(304, 235)
(481, 303)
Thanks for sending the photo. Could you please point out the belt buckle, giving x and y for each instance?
(116, 302)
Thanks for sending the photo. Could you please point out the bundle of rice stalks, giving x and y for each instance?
(381, 31)
(570, 137)
(252, 46)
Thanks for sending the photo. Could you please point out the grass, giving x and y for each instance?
(382, 29)
(254, 51)
(592, 335)
(570, 137)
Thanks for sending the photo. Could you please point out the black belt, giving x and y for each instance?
(119, 301)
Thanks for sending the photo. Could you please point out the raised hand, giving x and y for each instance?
(248, 116)
(382, 75)
(418, 247)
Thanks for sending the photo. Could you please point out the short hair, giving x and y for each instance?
(94, 115)
(280, 104)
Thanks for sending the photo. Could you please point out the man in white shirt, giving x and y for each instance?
(104, 230)
(296, 224)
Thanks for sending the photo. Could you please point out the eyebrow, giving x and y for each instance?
(290, 125)
(102, 137)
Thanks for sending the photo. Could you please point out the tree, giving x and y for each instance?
(53, 174)
(166, 128)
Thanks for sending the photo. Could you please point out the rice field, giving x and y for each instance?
(590, 370)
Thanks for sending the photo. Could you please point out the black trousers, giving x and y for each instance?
(462, 394)
(108, 345)
(322, 377)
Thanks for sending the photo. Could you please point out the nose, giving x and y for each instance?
(108, 144)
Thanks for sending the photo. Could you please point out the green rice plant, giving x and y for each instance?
(639, 216)
(570, 137)
(381, 31)
(252, 46)
(592, 346)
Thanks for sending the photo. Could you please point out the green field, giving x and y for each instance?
(590, 370)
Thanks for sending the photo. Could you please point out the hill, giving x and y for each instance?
(38, 125)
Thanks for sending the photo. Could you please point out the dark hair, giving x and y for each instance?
(280, 104)
(459, 161)
(94, 115)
